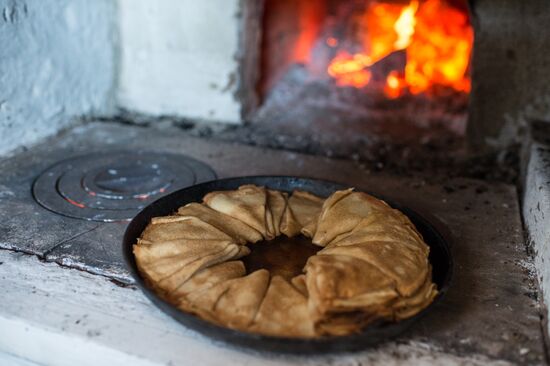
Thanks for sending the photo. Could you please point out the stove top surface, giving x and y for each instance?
(491, 307)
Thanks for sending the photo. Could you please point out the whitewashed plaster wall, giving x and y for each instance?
(57, 62)
(536, 209)
(178, 57)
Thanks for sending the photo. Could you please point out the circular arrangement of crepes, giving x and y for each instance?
(373, 264)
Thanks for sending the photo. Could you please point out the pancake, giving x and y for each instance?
(407, 268)
(208, 278)
(276, 202)
(283, 312)
(341, 283)
(233, 303)
(341, 213)
(302, 211)
(170, 228)
(247, 204)
(236, 229)
(168, 265)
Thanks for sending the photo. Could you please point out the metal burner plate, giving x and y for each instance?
(116, 185)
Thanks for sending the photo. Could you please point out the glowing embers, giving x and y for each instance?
(395, 85)
(351, 70)
(435, 37)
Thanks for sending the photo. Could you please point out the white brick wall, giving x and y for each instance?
(178, 57)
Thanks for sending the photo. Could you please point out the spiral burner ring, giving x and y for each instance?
(114, 186)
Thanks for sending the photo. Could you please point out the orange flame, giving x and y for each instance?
(440, 51)
(436, 37)
(404, 26)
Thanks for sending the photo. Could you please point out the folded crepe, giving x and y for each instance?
(269, 228)
(276, 203)
(236, 229)
(347, 294)
(341, 213)
(299, 282)
(181, 227)
(301, 214)
(379, 227)
(283, 312)
(405, 307)
(233, 303)
(342, 283)
(207, 278)
(167, 265)
(247, 204)
(406, 267)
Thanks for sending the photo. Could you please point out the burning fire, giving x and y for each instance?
(404, 26)
(435, 36)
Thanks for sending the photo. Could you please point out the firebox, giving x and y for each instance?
(401, 71)
(387, 66)
(356, 76)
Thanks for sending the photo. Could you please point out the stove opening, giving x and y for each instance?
(387, 69)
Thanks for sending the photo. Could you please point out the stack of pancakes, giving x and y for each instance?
(373, 265)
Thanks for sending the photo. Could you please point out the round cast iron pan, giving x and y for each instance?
(440, 258)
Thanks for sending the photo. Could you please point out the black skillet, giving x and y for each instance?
(440, 258)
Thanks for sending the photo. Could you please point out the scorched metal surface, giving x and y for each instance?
(115, 185)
